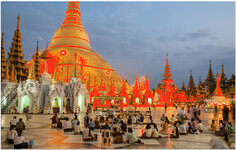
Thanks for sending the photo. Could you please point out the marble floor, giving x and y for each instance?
(38, 128)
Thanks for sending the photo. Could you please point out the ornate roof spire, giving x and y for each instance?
(54, 80)
(31, 74)
(3, 58)
(18, 22)
(12, 74)
(7, 72)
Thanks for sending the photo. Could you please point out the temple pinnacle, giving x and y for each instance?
(54, 80)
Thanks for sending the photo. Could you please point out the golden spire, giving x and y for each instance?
(31, 74)
(54, 80)
(2, 39)
(7, 72)
(18, 22)
(217, 74)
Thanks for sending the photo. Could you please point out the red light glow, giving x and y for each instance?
(63, 52)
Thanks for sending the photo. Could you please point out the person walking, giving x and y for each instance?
(165, 107)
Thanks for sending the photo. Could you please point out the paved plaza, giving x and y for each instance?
(39, 129)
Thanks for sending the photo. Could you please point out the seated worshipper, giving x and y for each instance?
(59, 124)
(134, 120)
(230, 127)
(119, 119)
(129, 121)
(123, 126)
(97, 125)
(213, 126)
(220, 124)
(163, 117)
(194, 124)
(91, 125)
(190, 128)
(141, 119)
(155, 133)
(178, 118)
(147, 132)
(77, 128)
(13, 121)
(164, 128)
(11, 134)
(200, 126)
(176, 131)
(115, 125)
(67, 126)
(106, 126)
(172, 120)
(101, 119)
(19, 142)
(182, 129)
(63, 116)
(87, 134)
(20, 126)
(74, 121)
(131, 137)
(117, 136)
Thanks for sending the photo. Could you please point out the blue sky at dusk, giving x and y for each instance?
(134, 37)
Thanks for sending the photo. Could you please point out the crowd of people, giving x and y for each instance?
(14, 135)
(119, 127)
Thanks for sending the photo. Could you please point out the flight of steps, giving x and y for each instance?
(11, 102)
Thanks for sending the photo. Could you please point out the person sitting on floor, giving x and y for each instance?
(178, 118)
(118, 118)
(213, 126)
(164, 128)
(97, 125)
(134, 120)
(163, 117)
(230, 127)
(101, 119)
(11, 134)
(106, 126)
(172, 120)
(129, 121)
(67, 126)
(87, 134)
(74, 121)
(123, 126)
(147, 132)
(117, 136)
(91, 125)
(20, 126)
(176, 131)
(182, 129)
(190, 128)
(141, 119)
(155, 133)
(200, 126)
(131, 137)
(19, 142)
(77, 128)
(115, 125)
(13, 121)
(194, 124)
(59, 124)
(220, 124)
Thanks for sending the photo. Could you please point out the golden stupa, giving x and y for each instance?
(71, 43)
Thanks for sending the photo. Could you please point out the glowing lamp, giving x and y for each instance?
(108, 72)
(63, 52)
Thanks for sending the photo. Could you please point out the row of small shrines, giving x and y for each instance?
(44, 96)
